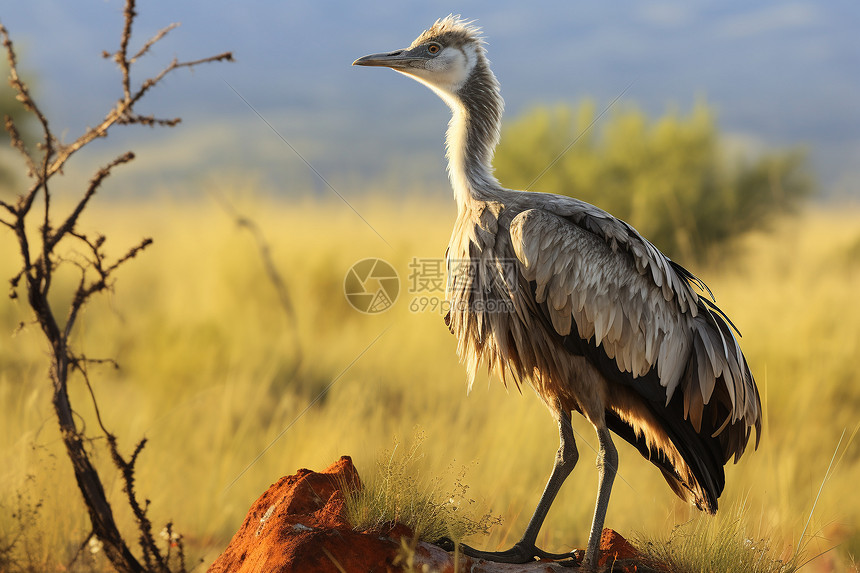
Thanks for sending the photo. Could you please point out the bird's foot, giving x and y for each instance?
(520, 553)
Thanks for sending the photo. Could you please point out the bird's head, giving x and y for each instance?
(442, 57)
(450, 59)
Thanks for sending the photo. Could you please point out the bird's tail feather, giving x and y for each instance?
(694, 470)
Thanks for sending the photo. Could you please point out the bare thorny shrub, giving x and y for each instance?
(41, 233)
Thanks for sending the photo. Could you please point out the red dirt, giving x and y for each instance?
(614, 549)
(299, 525)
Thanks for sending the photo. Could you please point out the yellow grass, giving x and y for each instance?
(718, 545)
(208, 375)
(400, 491)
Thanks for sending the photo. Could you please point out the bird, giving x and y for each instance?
(553, 292)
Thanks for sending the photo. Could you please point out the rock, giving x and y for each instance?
(299, 525)
(616, 553)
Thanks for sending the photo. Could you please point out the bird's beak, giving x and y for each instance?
(397, 60)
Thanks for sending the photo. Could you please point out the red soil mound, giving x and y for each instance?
(299, 525)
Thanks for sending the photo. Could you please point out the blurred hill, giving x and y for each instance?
(777, 74)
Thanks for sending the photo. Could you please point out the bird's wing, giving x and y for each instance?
(625, 303)
(599, 279)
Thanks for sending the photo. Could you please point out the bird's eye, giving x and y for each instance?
(433, 48)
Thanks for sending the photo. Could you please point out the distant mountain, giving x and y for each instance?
(779, 73)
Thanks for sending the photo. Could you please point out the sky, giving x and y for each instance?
(292, 114)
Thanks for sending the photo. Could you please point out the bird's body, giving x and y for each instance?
(558, 294)
(539, 293)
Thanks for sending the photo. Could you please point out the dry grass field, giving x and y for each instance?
(209, 373)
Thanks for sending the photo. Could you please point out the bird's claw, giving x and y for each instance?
(519, 553)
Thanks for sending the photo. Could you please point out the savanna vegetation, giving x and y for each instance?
(208, 374)
(232, 349)
(672, 178)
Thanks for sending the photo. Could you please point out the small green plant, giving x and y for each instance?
(397, 493)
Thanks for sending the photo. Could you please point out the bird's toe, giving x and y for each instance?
(519, 553)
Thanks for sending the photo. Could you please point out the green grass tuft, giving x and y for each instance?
(398, 493)
(717, 544)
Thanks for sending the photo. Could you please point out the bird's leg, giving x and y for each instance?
(607, 467)
(525, 550)
(565, 460)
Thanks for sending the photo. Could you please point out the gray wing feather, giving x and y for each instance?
(582, 280)
(598, 273)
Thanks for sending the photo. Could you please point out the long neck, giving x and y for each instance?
(473, 134)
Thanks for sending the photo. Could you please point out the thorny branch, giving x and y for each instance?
(55, 153)
(95, 182)
(96, 275)
(149, 43)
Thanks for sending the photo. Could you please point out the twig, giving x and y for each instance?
(129, 15)
(81, 367)
(23, 93)
(123, 111)
(152, 556)
(96, 276)
(133, 252)
(18, 143)
(69, 224)
(149, 43)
